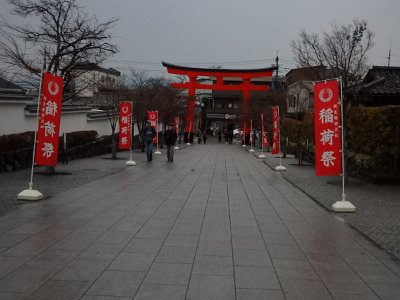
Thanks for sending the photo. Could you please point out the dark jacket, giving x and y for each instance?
(148, 134)
(170, 137)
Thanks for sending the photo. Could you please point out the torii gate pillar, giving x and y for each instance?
(246, 87)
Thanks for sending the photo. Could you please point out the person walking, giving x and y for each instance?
(170, 140)
(205, 137)
(148, 134)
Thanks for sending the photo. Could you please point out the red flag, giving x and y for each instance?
(176, 120)
(152, 117)
(275, 130)
(46, 153)
(125, 123)
(328, 160)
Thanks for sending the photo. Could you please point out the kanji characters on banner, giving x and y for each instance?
(327, 128)
(125, 125)
(176, 121)
(275, 130)
(152, 117)
(46, 153)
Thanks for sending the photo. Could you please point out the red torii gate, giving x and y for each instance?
(246, 87)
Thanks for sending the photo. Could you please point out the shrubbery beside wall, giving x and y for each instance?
(373, 141)
(16, 149)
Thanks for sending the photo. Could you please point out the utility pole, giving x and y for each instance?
(390, 51)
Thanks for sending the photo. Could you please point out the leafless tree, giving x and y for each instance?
(109, 97)
(343, 51)
(64, 38)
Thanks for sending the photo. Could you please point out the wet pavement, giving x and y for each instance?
(378, 206)
(217, 223)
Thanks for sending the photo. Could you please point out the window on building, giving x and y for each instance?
(292, 101)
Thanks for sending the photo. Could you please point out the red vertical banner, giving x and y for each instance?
(176, 121)
(328, 160)
(152, 117)
(275, 130)
(49, 120)
(125, 125)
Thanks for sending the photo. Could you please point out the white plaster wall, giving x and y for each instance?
(14, 120)
(71, 122)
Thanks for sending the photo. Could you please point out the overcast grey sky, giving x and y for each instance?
(234, 33)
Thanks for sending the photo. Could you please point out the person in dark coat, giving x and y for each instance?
(170, 140)
(204, 137)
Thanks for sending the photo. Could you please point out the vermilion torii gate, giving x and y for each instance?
(246, 87)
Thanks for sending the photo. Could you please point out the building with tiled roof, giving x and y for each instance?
(11, 92)
(380, 87)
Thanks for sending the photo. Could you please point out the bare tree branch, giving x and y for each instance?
(343, 51)
(65, 38)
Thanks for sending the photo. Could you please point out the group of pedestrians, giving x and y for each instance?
(201, 137)
(148, 136)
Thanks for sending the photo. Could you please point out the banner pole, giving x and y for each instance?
(158, 151)
(251, 136)
(280, 167)
(343, 205)
(244, 135)
(176, 119)
(262, 137)
(30, 193)
(342, 133)
(131, 162)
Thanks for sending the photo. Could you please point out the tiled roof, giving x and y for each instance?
(382, 80)
(95, 67)
(5, 84)
(11, 92)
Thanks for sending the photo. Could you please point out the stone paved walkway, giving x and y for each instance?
(215, 224)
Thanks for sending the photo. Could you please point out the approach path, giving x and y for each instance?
(216, 223)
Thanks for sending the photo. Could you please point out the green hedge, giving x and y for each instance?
(16, 141)
(16, 149)
(373, 140)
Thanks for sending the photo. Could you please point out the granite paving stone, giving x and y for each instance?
(259, 294)
(251, 258)
(60, 290)
(213, 265)
(117, 283)
(211, 287)
(161, 292)
(132, 262)
(169, 254)
(256, 278)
